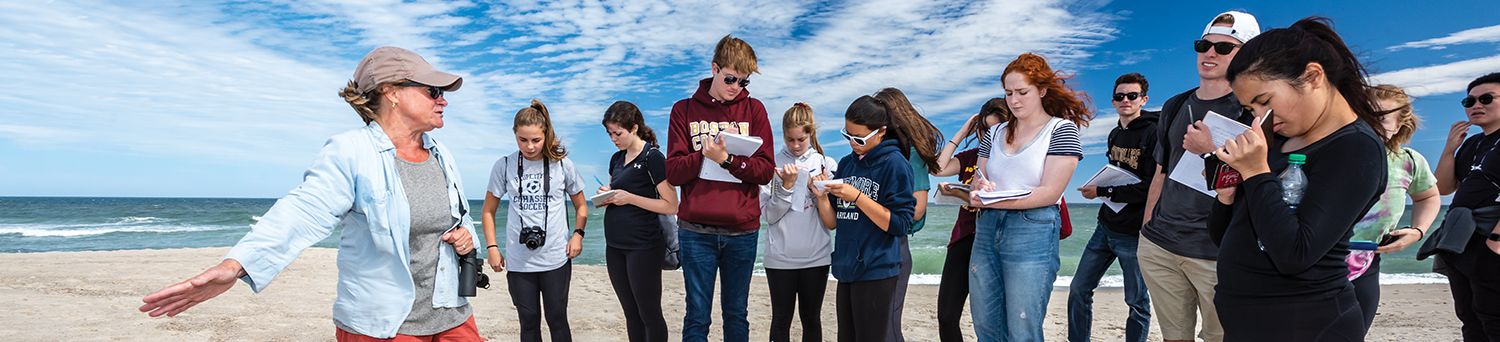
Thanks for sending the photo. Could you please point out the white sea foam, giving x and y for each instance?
(90, 230)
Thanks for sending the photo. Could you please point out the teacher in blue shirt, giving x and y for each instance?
(395, 191)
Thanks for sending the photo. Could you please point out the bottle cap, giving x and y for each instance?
(1297, 158)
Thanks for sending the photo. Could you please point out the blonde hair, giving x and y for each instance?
(800, 116)
(734, 53)
(367, 105)
(536, 115)
(1406, 122)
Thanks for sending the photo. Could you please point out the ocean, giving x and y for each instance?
(50, 224)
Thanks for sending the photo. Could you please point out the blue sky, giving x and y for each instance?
(233, 99)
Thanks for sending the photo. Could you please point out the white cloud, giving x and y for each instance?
(1487, 34)
(1439, 79)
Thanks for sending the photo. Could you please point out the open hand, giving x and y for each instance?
(1456, 134)
(183, 295)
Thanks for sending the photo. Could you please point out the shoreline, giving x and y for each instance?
(94, 295)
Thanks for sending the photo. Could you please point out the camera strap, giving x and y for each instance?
(546, 188)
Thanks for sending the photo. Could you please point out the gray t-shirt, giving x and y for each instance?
(427, 194)
(528, 207)
(1179, 223)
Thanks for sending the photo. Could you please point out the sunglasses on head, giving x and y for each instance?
(860, 140)
(731, 79)
(1223, 48)
(432, 92)
(1485, 99)
(1131, 95)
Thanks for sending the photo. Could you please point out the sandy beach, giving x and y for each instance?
(81, 296)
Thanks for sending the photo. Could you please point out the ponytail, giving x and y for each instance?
(800, 116)
(1283, 54)
(915, 132)
(628, 116)
(366, 105)
(536, 115)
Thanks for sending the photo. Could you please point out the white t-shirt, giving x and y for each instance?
(1023, 169)
(528, 206)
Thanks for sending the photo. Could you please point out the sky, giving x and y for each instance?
(234, 99)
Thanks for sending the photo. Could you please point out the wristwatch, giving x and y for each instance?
(1494, 237)
(728, 161)
(579, 232)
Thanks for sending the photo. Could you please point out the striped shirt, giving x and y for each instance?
(1064, 141)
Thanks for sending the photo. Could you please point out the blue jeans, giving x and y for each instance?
(1012, 268)
(703, 255)
(1102, 249)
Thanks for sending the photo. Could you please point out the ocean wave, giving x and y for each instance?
(75, 231)
(139, 219)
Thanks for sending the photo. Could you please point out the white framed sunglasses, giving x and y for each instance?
(860, 140)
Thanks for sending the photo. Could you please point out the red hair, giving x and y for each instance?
(1059, 101)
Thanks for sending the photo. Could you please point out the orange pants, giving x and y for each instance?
(463, 332)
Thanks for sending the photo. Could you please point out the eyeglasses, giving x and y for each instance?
(1131, 95)
(1223, 48)
(432, 92)
(861, 141)
(731, 79)
(1485, 99)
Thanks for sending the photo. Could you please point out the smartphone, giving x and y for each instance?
(1387, 238)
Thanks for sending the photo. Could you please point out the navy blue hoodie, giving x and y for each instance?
(861, 251)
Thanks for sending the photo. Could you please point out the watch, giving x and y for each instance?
(728, 161)
(579, 232)
(1494, 237)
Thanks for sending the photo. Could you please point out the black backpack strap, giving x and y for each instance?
(1164, 122)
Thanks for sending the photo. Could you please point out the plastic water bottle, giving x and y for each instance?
(1293, 181)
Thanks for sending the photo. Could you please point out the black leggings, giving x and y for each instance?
(953, 290)
(864, 309)
(636, 277)
(1367, 290)
(786, 288)
(1324, 317)
(530, 291)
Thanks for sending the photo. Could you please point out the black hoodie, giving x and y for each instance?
(1130, 148)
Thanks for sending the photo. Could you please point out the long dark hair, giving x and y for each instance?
(917, 133)
(1283, 54)
(978, 130)
(871, 112)
(628, 116)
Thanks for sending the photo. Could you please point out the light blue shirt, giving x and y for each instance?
(354, 184)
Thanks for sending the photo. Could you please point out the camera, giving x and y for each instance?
(533, 236)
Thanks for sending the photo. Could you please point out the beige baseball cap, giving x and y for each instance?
(392, 64)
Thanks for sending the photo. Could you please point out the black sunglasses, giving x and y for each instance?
(1223, 48)
(1485, 99)
(731, 79)
(432, 92)
(1131, 95)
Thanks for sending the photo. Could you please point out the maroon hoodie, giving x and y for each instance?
(729, 205)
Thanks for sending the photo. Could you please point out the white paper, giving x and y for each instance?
(990, 197)
(1223, 128)
(945, 199)
(599, 198)
(736, 144)
(800, 195)
(1111, 175)
(1189, 172)
(822, 185)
